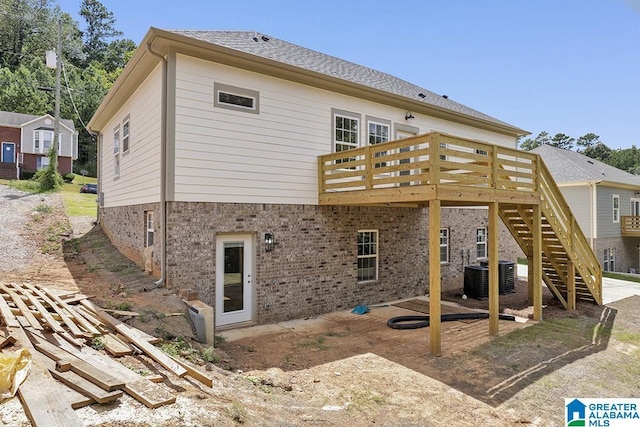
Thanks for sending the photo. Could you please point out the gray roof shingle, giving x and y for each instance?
(307, 59)
(568, 166)
(8, 118)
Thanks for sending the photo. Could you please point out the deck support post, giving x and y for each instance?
(434, 277)
(536, 265)
(494, 297)
(530, 279)
(571, 286)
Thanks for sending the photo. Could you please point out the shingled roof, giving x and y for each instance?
(287, 53)
(8, 118)
(568, 166)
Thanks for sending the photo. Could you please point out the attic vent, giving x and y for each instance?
(445, 96)
(590, 162)
(265, 38)
(422, 95)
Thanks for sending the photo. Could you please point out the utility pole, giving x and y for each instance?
(56, 126)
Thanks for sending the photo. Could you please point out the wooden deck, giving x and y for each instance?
(438, 170)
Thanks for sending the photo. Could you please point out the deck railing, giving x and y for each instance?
(630, 225)
(428, 159)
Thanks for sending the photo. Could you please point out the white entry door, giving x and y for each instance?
(234, 279)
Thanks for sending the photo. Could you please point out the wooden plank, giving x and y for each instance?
(7, 315)
(86, 324)
(137, 386)
(24, 309)
(75, 331)
(536, 265)
(80, 384)
(46, 316)
(76, 298)
(115, 346)
(8, 340)
(194, 373)
(132, 335)
(42, 407)
(122, 312)
(99, 377)
(78, 400)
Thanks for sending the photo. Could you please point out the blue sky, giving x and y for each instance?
(570, 66)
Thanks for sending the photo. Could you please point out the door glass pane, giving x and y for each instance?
(233, 276)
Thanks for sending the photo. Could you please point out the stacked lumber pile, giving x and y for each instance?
(57, 329)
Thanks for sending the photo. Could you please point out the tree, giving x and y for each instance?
(529, 144)
(598, 151)
(100, 28)
(587, 141)
(561, 140)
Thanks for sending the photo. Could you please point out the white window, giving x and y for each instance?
(43, 140)
(116, 152)
(367, 255)
(481, 242)
(42, 162)
(116, 141)
(346, 133)
(616, 208)
(609, 259)
(444, 245)
(148, 240)
(125, 135)
(378, 133)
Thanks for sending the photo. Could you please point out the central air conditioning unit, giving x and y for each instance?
(476, 281)
(506, 276)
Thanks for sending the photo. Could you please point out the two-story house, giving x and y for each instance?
(280, 182)
(27, 139)
(605, 201)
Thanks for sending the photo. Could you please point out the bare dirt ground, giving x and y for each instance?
(344, 369)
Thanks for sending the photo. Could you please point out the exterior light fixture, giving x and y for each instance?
(408, 116)
(269, 242)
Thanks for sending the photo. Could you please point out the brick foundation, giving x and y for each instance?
(313, 267)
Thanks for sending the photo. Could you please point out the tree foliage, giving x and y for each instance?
(92, 60)
(626, 159)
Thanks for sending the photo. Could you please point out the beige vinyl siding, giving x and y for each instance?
(139, 180)
(223, 155)
(579, 200)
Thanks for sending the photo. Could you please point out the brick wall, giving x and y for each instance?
(313, 267)
(627, 252)
(7, 134)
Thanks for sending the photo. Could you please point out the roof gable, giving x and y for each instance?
(11, 119)
(570, 167)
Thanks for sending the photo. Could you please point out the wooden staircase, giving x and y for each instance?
(564, 246)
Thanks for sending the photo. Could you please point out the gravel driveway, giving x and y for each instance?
(16, 207)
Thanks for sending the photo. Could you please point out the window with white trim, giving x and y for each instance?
(609, 259)
(125, 135)
(148, 239)
(616, 208)
(42, 162)
(43, 140)
(346, 133)
(378, 133)
(444, 245)
(116, 152)
(367, 255)
(481, 242)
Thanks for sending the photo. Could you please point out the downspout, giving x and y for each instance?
(163, 170)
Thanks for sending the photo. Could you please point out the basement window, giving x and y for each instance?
(236, 98)
(367, 255)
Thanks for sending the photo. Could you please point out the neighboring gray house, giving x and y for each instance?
(26, 139)
(605, 201)
(208, 151)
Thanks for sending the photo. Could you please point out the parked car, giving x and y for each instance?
(89, 188)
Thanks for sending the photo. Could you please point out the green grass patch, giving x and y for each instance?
(626, 336)
(77, 203)
(621, 276)
(317, 342)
